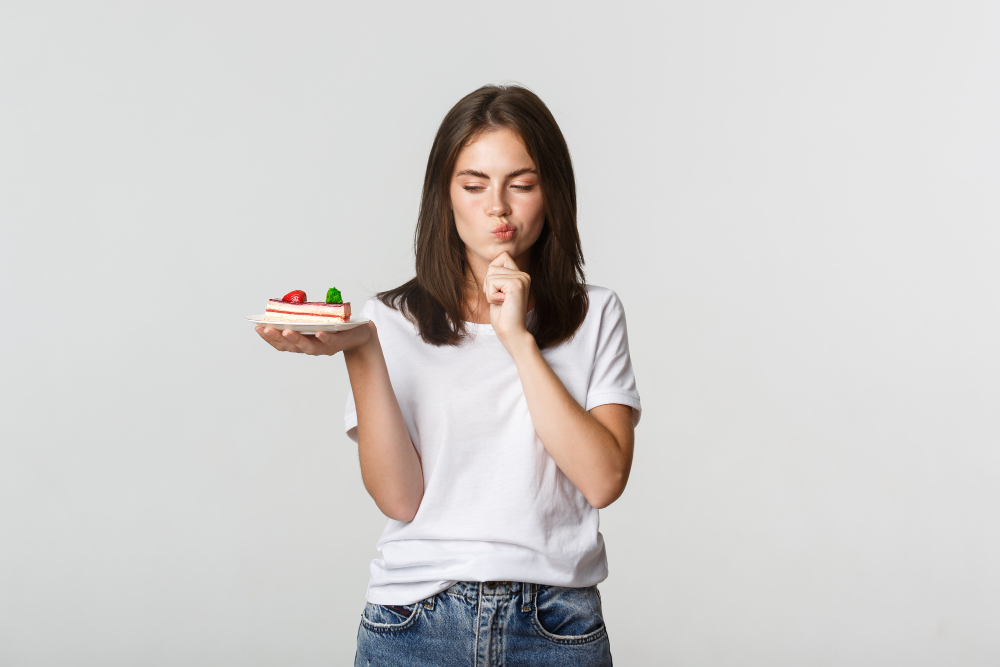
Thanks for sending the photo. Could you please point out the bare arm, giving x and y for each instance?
(593, 449)
(390, 465)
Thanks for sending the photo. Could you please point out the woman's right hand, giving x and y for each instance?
(323, 343)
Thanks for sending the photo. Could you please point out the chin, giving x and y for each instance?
(497, 250)
(494, 250)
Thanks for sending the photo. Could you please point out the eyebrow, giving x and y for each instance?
(479, 174)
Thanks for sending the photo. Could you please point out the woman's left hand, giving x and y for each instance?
(507, 290)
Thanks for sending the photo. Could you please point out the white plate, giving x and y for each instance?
(308, 327)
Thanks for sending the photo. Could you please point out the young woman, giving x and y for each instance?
(493, 403)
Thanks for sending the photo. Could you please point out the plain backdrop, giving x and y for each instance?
(797, 203)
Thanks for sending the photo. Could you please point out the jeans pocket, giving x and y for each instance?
(567, 615)
(390, 618)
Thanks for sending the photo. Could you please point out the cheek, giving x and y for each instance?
(533, 210)
(457, 208)
(461, 203)
(462, 223)
(463, 215)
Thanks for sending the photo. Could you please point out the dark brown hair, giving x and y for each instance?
(434, 299)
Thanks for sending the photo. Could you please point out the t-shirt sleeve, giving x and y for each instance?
(612, 379)
(350, 410)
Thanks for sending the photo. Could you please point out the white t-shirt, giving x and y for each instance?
(495, 506)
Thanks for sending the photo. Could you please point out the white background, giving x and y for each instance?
(796, 203)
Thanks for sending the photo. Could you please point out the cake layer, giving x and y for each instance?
(309, 312)
(303, 319)
(310, 308)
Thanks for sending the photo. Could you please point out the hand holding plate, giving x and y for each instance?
(319, 344)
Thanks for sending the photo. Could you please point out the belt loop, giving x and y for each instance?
(528, 590)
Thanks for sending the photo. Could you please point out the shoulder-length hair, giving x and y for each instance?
(434, 299)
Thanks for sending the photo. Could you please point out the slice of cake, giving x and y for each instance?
(293, 307)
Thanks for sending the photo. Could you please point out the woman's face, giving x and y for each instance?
(494, 181)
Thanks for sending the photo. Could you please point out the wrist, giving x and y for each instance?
(521, 344)
(370, 347)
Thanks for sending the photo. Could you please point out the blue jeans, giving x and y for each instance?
(488, 624)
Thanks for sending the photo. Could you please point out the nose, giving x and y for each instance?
(498, 203)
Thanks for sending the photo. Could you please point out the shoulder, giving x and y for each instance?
(384, 316)
(605, 314)
(604, 302)
(374, 310)
(598, 293)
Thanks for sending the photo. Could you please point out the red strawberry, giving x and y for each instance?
(295, 296)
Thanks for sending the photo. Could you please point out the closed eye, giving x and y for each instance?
(480, 188)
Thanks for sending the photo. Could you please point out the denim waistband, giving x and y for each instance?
(475, 589)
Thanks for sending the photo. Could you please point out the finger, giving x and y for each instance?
(502, 286)
(504, 259)
(500, 259)
(501, 271)
(513, 280)
(333, 342)
(299, 342)
(277, 342)
(493, 279)
(326, 337)
(271, 335)
(490, 285)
